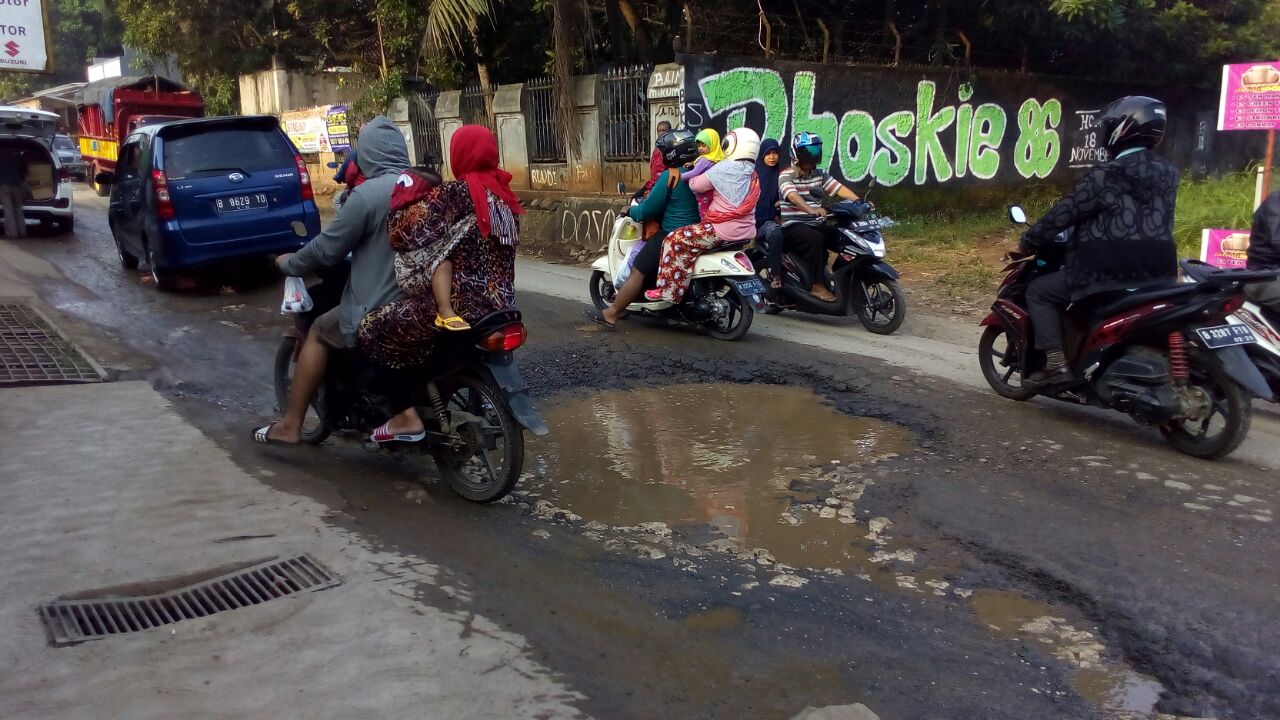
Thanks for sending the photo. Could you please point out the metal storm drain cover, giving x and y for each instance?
(75, 621)
(33, 351)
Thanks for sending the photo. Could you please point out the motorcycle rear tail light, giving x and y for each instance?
(744, 261)
(1232, 304)
(506, 338)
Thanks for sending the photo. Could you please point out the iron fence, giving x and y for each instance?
(426, 131)
(477, 106)
(624, 113)
(547, 134)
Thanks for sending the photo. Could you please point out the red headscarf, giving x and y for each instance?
(473, 158)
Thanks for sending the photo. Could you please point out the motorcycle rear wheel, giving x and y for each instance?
(314, 429)
(1229, 401)
(738, 321)
(992, 355)
(488, 466)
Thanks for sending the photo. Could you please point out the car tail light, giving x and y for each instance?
(62, 203)
(164, 204)
(1232, 304)
(64, 175)
(744, 261)
(505, 339)
(305, 177)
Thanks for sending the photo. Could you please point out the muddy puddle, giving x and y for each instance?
(740, 461)
(1098, 678)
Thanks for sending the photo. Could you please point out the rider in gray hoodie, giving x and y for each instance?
(360, 229)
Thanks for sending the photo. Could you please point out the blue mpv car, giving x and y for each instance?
(190, 192)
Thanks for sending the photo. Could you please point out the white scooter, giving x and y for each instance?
(722, 295)
(1252, 326)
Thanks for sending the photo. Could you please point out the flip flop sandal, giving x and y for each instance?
(598, 319)
(261, 436)
(384, 435)
(452, 324)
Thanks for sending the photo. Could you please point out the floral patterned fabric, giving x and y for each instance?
(680, 251)
(424, 234)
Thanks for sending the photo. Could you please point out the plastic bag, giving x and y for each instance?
(296, 297)
(625, 270)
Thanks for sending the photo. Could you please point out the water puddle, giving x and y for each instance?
(721, 618)
(1102, 681)
(746, 462)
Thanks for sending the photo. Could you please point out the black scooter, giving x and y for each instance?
(863, 283)
(471, 397)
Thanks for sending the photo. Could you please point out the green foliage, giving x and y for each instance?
(1225, 202)
(14, 86)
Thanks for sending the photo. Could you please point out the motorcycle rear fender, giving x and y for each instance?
(1240, 368)
(505, 372)
(722, 263)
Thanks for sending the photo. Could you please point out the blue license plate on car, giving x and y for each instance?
(750, 287)
(1226, 336)
(236, 203)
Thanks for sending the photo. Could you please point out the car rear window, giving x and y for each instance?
(224, 150)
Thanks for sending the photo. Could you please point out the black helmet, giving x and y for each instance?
(1132, 122)
(678, 147)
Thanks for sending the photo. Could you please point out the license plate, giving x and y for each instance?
(236, 203)
(750, 287)
(1226, 336)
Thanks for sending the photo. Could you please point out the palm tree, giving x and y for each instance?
(452, 25)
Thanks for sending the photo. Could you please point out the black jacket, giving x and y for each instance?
(1264, 238)
(1122, 212)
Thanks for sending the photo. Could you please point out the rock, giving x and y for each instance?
(650, 553)
(788, 580)
(763, 557)
(1195, 506)
(1144, 476)
(846, 511)
(724, 545)
(847, 519)
(596, 526)
(879, 524)
(833, 502)
(827, 512)
(789, 519)
(543, 509)
(881, 556)
(1176, 485)
(857, 711)
(542, 534)
(654, 528)
(1244, 499)
(1214, 487)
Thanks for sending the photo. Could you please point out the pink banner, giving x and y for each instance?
(1250, 97)
(1224, 248)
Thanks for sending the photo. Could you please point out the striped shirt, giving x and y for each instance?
(789, 183)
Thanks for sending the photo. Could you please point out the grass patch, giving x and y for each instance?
(1225, 202)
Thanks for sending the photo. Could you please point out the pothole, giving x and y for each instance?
(1099, 679)
(746, 467)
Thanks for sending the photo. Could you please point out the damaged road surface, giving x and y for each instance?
(748, 529)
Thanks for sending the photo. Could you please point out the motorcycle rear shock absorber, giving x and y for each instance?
(437, 406)
(1178, 366)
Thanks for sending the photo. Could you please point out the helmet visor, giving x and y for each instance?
(811, 153)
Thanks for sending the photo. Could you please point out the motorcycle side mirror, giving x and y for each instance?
(1017, 215)
(622, 188)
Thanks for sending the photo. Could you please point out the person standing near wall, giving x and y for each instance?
(13, 192)
(656, 166)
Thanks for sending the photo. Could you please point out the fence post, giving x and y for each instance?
(584, 164)
(449, 117)
(398, 112)
(666, 87)
(512, 138)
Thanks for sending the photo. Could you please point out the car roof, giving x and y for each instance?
(192, 125)
(33, 111)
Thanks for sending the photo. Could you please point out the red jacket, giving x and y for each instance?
(656, 167)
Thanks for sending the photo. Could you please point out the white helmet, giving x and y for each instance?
(741, 144)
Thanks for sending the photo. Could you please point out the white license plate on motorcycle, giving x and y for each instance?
(750, 288)
(1226, 336)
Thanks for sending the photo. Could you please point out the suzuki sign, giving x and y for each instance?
(24, 36)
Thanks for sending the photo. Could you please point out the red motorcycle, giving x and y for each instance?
(1162, 354)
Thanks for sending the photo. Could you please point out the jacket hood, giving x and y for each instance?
(382, 149)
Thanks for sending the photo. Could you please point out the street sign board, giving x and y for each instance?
(1224, 248)
(1250, 97)
(24, 36)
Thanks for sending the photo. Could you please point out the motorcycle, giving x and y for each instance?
(863, 283)
(722, 295)
(471, 397)
(1256, 325)
(1158, 353)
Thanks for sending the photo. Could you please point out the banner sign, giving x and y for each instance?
(1224, 248)
(24, 44)
(1250, 97)
(338, 130)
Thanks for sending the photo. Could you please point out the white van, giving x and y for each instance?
(49, 191)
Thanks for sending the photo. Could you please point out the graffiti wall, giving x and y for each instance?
(914, 127)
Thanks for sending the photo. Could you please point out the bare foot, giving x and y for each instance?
(822, 293)
(283, 432)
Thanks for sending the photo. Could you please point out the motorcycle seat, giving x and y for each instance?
(731, 245)
(1114, 302)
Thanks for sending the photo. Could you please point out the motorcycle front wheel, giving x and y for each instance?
(998, 357)
(314, 428)
(1230, 413)
(881, 306)
(602, 290)
(490, 456)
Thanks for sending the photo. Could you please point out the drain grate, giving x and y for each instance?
(33, 351)
(75, 621)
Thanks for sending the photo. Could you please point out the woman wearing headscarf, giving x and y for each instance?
(470, 222)
(768, 228)
(710, 153)
(732, 189)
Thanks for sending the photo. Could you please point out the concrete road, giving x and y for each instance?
(992, 559)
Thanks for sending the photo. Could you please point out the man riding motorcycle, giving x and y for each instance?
(794, 184)
(361, 230)
(1264, 251)
(1122, 215)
